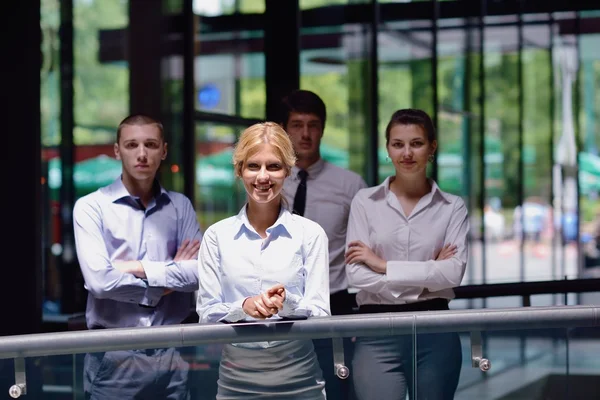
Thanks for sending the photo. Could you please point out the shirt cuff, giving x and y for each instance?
(415, 272)
(290, 304)
(236, 312)
(152, 296)
(156, 273)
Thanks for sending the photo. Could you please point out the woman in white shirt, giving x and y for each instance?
(265, 264)
(406, 250)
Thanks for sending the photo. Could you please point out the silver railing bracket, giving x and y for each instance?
(340, 369)
(20, 387)
(477, 360)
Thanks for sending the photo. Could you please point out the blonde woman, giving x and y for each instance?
(265, 264)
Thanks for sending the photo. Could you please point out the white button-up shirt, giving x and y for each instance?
(236, 263)
(408, 244)
(329, 193)
(111, 225)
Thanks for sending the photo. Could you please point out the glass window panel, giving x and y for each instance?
(402, 1)
(535, 17)
(501, 19)
(101, 89)
(565, 65)
(589, 156)
(306, 4)
(537, 221)
(335, 67)
(458, 127)
(219, 194)
(51, 135)
(501, 149)
(212, 8)
(404, 68)
(230, 74)
(100, 102)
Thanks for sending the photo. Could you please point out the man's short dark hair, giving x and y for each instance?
(304, 102)
(138, 120)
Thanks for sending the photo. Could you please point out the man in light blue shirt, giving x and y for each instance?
(137, 246)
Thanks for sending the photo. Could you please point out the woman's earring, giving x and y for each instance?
(388, 159)
(430, 158)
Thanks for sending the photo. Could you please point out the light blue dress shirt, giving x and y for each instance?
(111, 225)
(236, 263)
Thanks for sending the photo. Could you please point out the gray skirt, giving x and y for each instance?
(287, 371)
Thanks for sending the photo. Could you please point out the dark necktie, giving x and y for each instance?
(300, 198)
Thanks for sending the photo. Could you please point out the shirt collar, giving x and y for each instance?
(383, 189)
(118, 191)
(314, 170)
(436, 189)
(241, 221)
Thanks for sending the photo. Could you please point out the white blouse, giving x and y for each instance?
(408, 244)
(236, 263)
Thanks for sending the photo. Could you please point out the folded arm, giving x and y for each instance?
(445, 272)
(181, 273)
(102, 279)
(435, 275)
(360, 276)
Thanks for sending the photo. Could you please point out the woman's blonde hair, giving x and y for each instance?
(257, 135)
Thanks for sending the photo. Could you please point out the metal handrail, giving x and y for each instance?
(384, 324)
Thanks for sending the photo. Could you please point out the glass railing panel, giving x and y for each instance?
(161, 373)
(492, 302)
(583, 362)
(534, 353)
(438, 359)
(527, 364)
(275, 369)
(383, 367)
